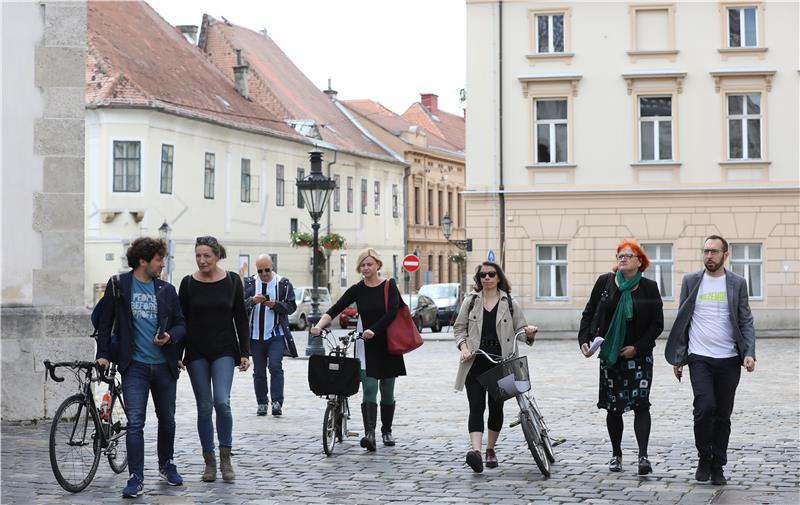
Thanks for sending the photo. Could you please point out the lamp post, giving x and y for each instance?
(464, 245)
(164, 232)
(315, 189)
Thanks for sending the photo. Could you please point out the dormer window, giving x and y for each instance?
(305, 127)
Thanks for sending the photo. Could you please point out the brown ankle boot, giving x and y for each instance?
(225, 465)
(210, 472)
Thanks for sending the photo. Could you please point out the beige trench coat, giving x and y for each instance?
(468, 328)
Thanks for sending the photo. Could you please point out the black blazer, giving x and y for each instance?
(648, 313)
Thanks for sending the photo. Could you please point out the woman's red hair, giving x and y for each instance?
(637, 250)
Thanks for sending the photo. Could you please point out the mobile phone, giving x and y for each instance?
(267, 295)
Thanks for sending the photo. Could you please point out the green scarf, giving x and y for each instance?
(615, 336)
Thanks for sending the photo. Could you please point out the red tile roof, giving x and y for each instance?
(394, 123)
(277, 84)
(136, 59)
(450, 127)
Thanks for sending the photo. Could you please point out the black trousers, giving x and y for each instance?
(714, 382)
(477, 394)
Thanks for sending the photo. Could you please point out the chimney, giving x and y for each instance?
(240, 71)
(332, 93)
(430, 101)
(189, 33)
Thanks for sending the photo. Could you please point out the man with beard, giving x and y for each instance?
(147, 318)
(713, 333)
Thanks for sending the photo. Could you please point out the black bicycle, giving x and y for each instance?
(510, 378)
(336, 377)
(82, 430)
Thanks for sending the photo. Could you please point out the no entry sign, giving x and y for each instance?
(411, 263)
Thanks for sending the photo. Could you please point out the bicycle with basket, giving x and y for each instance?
(510, 378)
(82, 430)
(336, 377)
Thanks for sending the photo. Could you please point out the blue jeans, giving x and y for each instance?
(138, 382)
(211, 382)
(268, 354)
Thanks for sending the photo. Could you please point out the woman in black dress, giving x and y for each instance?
(217, 340)
(378, 368)
(626, 309)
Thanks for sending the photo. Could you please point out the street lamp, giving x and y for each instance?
(164, 232)
(315, 190)
(464, 245)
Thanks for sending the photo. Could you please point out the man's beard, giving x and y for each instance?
(715, 266)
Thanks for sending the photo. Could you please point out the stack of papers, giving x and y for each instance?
(596, 343)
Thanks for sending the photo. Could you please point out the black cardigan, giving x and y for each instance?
(648, 314)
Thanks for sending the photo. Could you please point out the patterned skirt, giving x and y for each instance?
(626, 384)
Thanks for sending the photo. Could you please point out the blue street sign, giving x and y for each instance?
(490, 256)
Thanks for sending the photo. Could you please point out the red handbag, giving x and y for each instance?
(402, 335)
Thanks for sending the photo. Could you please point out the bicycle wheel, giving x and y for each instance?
(117, 451)
(74, 444)
(533, 437)
(547, 444)
(342, 414)
(329, 426)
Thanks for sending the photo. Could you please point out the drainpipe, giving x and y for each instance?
(501, 194)
(328, 225)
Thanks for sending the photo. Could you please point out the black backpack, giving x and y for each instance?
(116, 296)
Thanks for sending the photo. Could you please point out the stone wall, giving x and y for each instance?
(44, 47)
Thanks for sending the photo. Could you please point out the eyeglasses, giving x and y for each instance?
(711, 252)
(264, 270)
(626, 257)
(483, 275)
(206, 240)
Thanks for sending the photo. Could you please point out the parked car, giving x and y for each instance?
(447, 298)
(424, 312)
(298, 320)
(349, 317)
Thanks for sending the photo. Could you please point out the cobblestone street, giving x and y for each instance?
(280, 459)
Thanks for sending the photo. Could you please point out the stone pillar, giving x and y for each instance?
(44, 50)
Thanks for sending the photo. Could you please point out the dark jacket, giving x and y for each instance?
(648, 314)
(284, 305)
(121, 321)
(677, 349)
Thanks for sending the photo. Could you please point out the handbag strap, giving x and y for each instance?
(386, 295)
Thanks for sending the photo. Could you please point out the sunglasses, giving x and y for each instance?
(483, 275)
(264, 270)
(207, 240)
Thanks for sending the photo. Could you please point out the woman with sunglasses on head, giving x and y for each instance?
(217, 341)
(624, 308)
(488, 320)
(379, 369)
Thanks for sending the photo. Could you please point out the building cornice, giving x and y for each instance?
(624, 191)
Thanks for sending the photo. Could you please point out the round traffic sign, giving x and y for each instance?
(410, 263)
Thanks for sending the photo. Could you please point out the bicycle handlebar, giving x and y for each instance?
(84, 365)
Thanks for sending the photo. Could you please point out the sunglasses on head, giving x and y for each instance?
(483, 275)
(207, 240)
(264, 270)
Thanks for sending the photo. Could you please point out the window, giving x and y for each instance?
(430, 207)
(417, 205)
(127, 166)
(653, 30)
(279, 185)
(746, 261)
(293, 225)
(440, 202)
(655, 128)
(551, 131)
(395, 201)
(742, 28)
(350, 194)
(363, 196)
(377, 198)
(166, 168)
(550, 33)
(551, 267)
(208, 185)
(245, 193)
(337, 193)
(441, 269)
(744, 127)
(244, 265)
(274, 257)
(301, 204)
(394, 267)
(343, 270)
(660, 267)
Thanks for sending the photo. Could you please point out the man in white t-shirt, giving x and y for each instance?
(713, 333)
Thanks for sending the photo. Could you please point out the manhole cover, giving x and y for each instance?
(757, 497)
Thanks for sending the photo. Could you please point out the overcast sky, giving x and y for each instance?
(385, 51)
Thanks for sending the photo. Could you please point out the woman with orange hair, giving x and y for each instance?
(626, 310)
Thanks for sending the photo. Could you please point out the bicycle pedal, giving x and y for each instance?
(515, 423)
(352, 433)
(557, 441)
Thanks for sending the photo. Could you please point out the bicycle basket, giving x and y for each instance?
(332, 375)
(507, 379)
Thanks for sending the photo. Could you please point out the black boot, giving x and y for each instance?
(387, 415)
(369, 412)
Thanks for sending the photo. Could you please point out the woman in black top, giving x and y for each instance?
(626, 309)
(378, 368)
(217, 340)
